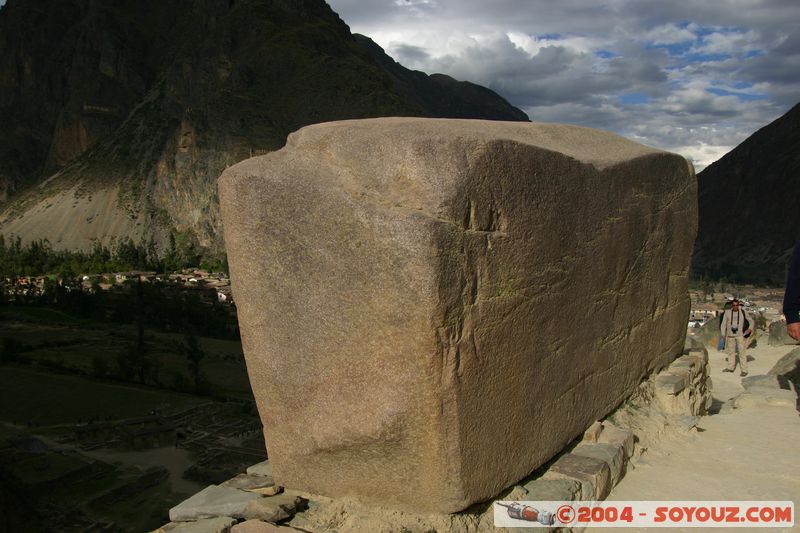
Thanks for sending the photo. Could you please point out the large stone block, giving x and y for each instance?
(612, 454)
(431, 309)
(617, 436)
(594, 475)
(541, 490)
(788, 365)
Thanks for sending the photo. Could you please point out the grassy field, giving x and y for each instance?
(41, 314)
(43, 398)
(52, 338)
(46, 388)
(47, 467)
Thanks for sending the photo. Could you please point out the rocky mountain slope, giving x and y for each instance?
(124, 113)
(749, 206)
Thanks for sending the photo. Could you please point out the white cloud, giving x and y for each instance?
(670, 34)
(693, 77)
(729, 42)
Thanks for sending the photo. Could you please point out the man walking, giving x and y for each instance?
(733, 330)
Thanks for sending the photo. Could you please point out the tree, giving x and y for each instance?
(708, 289)
(194, 354)
(140, 346)
(99, 367)
(133, 362)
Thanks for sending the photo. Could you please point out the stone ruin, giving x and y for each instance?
(432, 309)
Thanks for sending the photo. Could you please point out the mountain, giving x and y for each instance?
(441, 95)
(124, 112)
(749, 204)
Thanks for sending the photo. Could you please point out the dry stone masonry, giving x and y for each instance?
(431, 309)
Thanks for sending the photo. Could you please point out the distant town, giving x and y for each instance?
(187, 278)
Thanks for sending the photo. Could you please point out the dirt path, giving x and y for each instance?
(750, 453)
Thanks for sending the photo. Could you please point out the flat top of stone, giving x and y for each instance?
(212, 500)
(572, 463)
(249, 481)
(596, 449)
(786, 364)
(419, 163)
(597, 147)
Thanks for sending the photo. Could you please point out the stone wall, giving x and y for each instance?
(430, 309)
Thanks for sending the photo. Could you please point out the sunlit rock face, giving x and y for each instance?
(431, 309)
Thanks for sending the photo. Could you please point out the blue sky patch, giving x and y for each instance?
(698, 57)
(633, 98)
(744, 97)
(605, 54)
(675, 49)
(755, 53)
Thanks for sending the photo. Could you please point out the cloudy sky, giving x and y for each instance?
(695, 77)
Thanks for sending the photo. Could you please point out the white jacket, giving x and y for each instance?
(732, 320)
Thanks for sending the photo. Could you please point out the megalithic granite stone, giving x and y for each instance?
(431, 309)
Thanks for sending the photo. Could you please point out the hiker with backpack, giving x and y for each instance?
(737, 324)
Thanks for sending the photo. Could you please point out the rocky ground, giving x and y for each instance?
(746, 453)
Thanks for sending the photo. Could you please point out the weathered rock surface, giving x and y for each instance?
(594, 475)
(779, 334)
(264, 468)
(611, 454)
(219, 524)
(213, 501)
(248, 482)
(431, 309)
(593, 433)
(788, 369)
(788, 364)
(552, 490)
(274, 508)
(707, 335)
(684, 386)
(623, 437)
(257, 526)
(765, 381)
(756, 396)
(272, 490)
